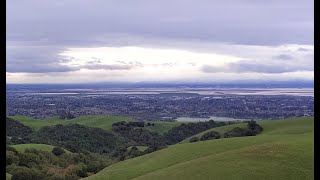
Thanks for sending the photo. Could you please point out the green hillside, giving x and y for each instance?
(104, 122)
(283, 151)
(43, 147)
(162, 127)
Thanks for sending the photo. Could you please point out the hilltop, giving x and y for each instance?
(284, 150)
(103, 122)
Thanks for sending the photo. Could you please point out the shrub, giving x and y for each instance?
(194, 139)
(210, 135)
(134, 148)
(28, 160)
(95, 166)
(11, 158)
(9, 148)
(236, 132)
(24, 173)
(254, 127)
(58, 151)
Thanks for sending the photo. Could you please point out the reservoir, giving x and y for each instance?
(215, 118)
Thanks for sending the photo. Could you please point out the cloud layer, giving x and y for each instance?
(261, 37)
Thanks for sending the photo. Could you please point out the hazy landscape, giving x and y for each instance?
(160, 90)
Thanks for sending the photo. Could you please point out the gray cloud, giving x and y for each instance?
(88, 23)
(96, 64)
(284, 57)
(257, 67)
(303, 49)
(105, 67)
(35, 59)
(38, 30)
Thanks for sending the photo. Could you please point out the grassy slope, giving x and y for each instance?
(220, 130)
(43, 147)
(283, 151)
(104, 122)
(162, 127)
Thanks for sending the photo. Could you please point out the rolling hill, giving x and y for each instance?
(104, 122)
(284, 150)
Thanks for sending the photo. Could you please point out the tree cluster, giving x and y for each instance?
(184, 131)
(210, 135)
(252, 129)
(79, 138)
(35, 164)
(17, 133)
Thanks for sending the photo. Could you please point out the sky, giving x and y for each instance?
(80, 41)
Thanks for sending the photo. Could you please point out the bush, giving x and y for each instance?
(81, 170)
(134, 148)
(194, 139)
(210, 135)
(95, 166)
(9, 148)
(254, 127)
(236, 132)
(24, 173)
(11, 158)
(58, 151)
(28, 160)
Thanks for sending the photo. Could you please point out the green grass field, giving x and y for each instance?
(220, 130)
(43, 147)
(104, 122)
(284, 150)
(162, 127)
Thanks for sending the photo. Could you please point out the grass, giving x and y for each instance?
(8, 176)
(220, 130)
(104, 122)
(283, 151)
(162, 127)
(43, 147)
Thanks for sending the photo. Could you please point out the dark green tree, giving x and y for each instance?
(194, 139)
(58, 151)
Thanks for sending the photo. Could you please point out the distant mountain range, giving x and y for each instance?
(278, 84)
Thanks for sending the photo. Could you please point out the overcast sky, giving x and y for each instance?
(81, 41)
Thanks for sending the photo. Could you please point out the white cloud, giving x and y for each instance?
(222, 63)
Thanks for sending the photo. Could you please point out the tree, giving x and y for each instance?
(24, 173)
(28, 160)
(254, 127)
(95, 166)
(58, 151)
(236, 132)
(134, 148)
(194, 139)
(11, 158)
